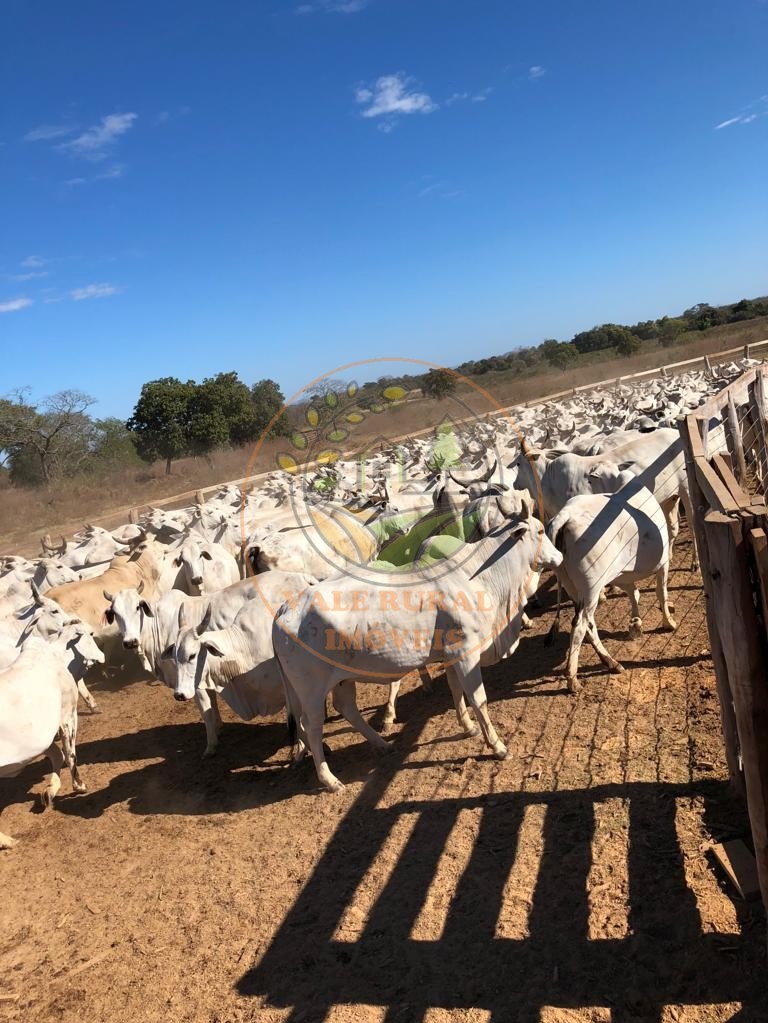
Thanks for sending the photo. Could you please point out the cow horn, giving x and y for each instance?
(107, 596)
(45, 543)
(477, 479)
(182, 617)
(63, 549)
(36, 595)
(140, 587)
(203, 626)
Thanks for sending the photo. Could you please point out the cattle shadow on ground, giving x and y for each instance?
(664, 959)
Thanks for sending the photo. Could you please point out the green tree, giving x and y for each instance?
(670, 329)
(220, 411)
(560, 354)
(160, 420)
(438, 383)
(607, 335)
(627, 344)
(48, 442)
(113, 445)
(267, 401)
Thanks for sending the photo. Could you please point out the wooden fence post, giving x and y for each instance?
(740, 464)
(727, 714)
(744, 650)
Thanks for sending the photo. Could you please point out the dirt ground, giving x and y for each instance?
(569, 883)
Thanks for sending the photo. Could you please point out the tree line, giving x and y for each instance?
(57, 437)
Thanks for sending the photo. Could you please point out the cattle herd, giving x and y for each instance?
(362, 570)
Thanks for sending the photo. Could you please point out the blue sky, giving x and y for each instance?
(279, 187)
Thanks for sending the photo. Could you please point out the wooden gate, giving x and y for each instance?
(727, 463)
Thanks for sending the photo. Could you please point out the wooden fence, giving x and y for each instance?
(727, 464)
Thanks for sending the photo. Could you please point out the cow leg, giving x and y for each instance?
(389, 710)
(209, 710)
(52, 780)
(466, 724)
(472, 684)
(635, 621)
(594, 638)
(578, 631)
(671, 511)
(313, 708)
(69, 741)
(662, 577)
(526, 622)
(345, 702)
(89, 700)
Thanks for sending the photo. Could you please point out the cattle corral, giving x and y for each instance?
(570, 882)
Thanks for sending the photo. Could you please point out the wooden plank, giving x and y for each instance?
(727, 714)
(743, 641)
(757, 409)
(717, 494)
(739, 865)
(737, 441)
(740, 496)
(737, 388)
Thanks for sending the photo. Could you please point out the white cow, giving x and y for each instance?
(375, 628)
(237, 662)
(38, 701)
(619, 538)
(207, 566)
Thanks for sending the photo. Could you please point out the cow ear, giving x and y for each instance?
(213, 649)
(519, 529)
(624, 466)
(146, 609)
(109, 616)
(167, 654)
(177, 562)
(207, 555)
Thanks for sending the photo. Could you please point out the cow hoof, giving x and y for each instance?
(335, 786)
(209, 752)
(616, 668)
(6, 842)
(387, 727)
(573, 684)
(472, 732)
(79, 786)
(500, 751)
(95, 709)
(386, 749)
(670, 625)
(635, 632)
(46, 798)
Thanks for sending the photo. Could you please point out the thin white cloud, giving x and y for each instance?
(33, 262)
(536, 71)
(93, 143)
(469, 97)
(46, 132)
(115, 171)
(93, 291)
(749, 113)
(392, 96)
(14, 305)
(741, 119)
(30, 276)
(332, 7)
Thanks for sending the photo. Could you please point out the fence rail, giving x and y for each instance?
(727, 465)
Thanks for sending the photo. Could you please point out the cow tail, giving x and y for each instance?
(556, 534)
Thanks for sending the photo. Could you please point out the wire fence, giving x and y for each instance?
(727, 468)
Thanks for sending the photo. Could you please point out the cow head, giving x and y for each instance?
(127, 610)
(189, 654)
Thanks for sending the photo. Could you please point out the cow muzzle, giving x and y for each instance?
(180, 697)
(131, 644)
